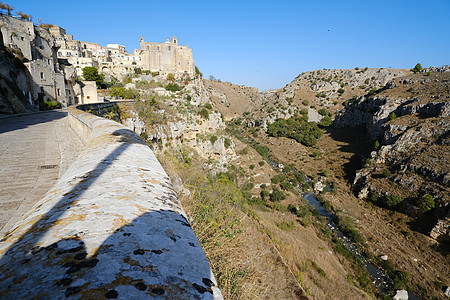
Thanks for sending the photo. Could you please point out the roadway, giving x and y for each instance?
(35, 150)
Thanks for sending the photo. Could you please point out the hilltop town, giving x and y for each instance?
(55, 61)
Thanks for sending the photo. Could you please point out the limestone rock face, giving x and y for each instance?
(441, 229)
(410, 120)
(187, 127)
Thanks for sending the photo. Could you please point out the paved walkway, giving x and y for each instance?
(31, 160)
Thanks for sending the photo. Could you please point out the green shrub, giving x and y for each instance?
(121, 92)
(142, 84)
(292, 208)
(347, 226)
(392, 116)
(213, 139)
(287, 186)
(261, 163)
(278, 178)
(208, 105)
(277, 195)
(47, 105)
(387, 173)
(401, 279)
(341, 91)
(173, 87)
(252, 166)
(324, 112)
(326, 121)
(426, 203)
(297, 128)
(262, 150)
(393, 200)
(315, 153)
(227, 143)
(376, 145)
(204, 113)
(305, 102)
(283, 225)
(264, 194)
(248, 186)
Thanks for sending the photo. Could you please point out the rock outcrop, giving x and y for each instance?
(409, 123)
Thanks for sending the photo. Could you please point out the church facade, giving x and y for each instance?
(168, 57)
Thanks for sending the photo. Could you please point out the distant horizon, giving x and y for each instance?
(265, 44)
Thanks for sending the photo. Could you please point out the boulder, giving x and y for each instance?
(401, 295)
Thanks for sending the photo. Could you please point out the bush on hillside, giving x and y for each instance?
(296, 127)
(277, 195)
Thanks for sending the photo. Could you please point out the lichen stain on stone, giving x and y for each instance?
(70, 219)
(142, 209)
(134, 263)
(119, 222)
(125, 197)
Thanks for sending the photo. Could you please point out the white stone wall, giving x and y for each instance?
(167, 57)
(112, 227)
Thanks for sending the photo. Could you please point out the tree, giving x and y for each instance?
(4, 6)
(204, 113)
(24, 16)
(91, 74)
(171, 77)
(277, 195)
(417, 68)
(197, 72)
(426, 203)
(393, 200)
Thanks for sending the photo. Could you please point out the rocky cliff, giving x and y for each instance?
(318, 91)
(184, 118)
(13, 81)
(409, 123)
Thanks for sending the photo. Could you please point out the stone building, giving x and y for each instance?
(37, 50)
(76, 52)
(168, 57)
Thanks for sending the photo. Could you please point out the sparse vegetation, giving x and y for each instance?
(173, 87)
(296, 127)
(426, 203)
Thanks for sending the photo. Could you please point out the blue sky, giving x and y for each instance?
(265, 44)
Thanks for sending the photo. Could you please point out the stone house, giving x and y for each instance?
(37, 49)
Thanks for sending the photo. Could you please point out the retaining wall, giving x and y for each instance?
(112, 227)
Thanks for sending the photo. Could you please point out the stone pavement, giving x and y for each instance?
(30, 160)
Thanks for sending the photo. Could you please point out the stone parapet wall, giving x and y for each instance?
(112, 227)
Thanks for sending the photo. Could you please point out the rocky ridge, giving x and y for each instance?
(316, 90)
(409, 123)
